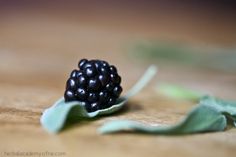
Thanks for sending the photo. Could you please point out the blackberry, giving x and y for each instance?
(96, 83)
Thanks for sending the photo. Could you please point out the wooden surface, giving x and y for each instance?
(38, 49)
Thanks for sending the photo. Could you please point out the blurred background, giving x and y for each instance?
(193, 42)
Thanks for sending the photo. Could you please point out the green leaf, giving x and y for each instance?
(227, 108)
(178, 92)
(55, 117)
(209, 115)
(196, 121)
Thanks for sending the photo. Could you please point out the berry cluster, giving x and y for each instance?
(96, 83)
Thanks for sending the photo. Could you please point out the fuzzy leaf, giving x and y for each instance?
(54, 118)
(200, 119)
(209, 115)
(228, 108)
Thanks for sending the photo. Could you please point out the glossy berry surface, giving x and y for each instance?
(96, 83)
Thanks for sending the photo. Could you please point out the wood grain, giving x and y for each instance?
(39, 49)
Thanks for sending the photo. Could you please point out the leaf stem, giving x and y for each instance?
(142, 82)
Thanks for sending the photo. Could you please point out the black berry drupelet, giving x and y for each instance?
(96, 83)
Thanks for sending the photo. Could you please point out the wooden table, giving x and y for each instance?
(39, 48)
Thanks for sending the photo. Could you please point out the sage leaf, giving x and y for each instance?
(209, 115)
(179, 92)
(55, 117)
(200, 119)
(227, 108)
